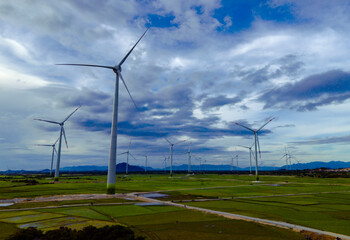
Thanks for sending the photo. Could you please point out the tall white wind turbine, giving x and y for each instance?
(250, 156)
(171, 152)
(53, 152)
(113, 147)
(256, 144)
(62, 132)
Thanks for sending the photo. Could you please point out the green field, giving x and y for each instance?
(154, 222)
(319, 203)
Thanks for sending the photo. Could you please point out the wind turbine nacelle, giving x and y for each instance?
(117, 69)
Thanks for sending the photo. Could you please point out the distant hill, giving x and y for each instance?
(120, 168)
(314, 165)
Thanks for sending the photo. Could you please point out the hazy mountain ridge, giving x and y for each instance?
(120, 168)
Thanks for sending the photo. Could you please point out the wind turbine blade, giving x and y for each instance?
(71, 114)
(85, 65)
(64, 134)
(122, 153)
(258, 145)
(129, 145)
(244, 127)
(242, 146)
(56, 141)
(46, 145)
(165, 138)
(180, 142)
(46, 121)
(253, 153)
(54, 148)
(265, 124)
(133, 156)
(127, 55)
(121, 76)
(283, 156)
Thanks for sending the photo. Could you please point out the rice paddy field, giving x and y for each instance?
(313, 202)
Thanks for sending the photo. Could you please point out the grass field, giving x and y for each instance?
(325, 205)
(154, 222)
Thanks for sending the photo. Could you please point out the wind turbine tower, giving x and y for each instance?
(145, 163)
(189, 159)
(62, 132)
(127, 159)
(171, 152)
(117, 69)
(256, 145)
(250, 156)
(53, 152)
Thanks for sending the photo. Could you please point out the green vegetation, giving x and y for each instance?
(315, 202)
(114, 232)
(329, 212)
(154, 222)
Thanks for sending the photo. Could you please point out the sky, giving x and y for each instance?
(202, 66)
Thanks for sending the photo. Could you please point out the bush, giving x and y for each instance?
(115, 232)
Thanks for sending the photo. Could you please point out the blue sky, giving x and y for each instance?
(202, 66)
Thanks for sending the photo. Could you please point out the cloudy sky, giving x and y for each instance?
(203, 65)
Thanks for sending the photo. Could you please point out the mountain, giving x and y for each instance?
(314, 165)
(120, 168)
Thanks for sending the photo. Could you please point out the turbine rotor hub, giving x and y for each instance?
(117, 69)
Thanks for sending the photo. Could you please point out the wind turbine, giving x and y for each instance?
(146, 160)
(256, 144)
(250, 156)
(62, 132)
(171, 152)
(117, 69)
(53, 152)
(233, 158)
(286, 155)
(127, 158)
(189, 159)
(165, 159)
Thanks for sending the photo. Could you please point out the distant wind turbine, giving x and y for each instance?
(171, 152)
(53, 152)
(250, 156)
(146, 160)
(62, 132)
(165, 159)
(233, 158)
(111, 177)
(189, 159)
(256, 144)
(127, 158)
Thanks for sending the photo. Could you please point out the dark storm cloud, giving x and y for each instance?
(285, 126)
(93, 101)
(288, 65)
(310, 92)
(345, 139)
(169, 112)
(219, 101)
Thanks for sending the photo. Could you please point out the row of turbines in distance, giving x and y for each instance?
(111, 175)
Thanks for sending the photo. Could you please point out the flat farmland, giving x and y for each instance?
(313, 202)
